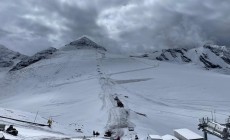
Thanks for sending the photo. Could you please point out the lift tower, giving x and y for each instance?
(208, 126)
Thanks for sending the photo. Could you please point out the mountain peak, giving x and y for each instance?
(82, 43)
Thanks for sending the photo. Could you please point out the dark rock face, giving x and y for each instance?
(159, 58)
(33, 59)
(182, 54)
(226, 60)
(4, 63)
(8, 56)
(164, 57)
(207, 63)
(185, 59)
(85, 42)
(174, 53)
(222, 53)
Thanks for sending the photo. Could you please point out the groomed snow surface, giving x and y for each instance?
(77, 89)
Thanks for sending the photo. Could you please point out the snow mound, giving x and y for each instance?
(35, 58)
(82, 43)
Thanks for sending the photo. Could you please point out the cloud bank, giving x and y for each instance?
(120, 25)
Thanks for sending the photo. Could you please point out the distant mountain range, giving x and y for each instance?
(208, 56)
(9, 57)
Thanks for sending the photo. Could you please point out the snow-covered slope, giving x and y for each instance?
(77, 88)
(208, 56)
(9, 57)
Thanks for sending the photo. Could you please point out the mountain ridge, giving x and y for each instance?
(44, 54)
(207, 56)
(81, 43)
(9, 57)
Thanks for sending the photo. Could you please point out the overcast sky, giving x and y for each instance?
(120, 25)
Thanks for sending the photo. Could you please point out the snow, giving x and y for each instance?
(155, 137)
(186, 133)
(1, 135)
(76, 88)
(169, 137)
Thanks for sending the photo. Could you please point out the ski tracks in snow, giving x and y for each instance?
(118, 117)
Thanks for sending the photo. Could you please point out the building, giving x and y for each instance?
(186, 134)
(154, 137)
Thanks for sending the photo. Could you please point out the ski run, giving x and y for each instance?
(89, 89)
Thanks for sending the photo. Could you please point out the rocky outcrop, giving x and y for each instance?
(208, 56)
(9, 57)
(33, 59)
(83, 43)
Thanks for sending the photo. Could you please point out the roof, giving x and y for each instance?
(155, 137)
(169, 137)
(188, 134)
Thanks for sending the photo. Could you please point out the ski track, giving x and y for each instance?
(117, 117)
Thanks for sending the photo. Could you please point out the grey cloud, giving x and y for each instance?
(120, 25)
(166, 23)
(4, 33)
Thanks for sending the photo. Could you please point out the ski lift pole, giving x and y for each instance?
(205, 135)
(36, 117)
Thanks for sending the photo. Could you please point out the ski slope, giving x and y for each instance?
(76, 88)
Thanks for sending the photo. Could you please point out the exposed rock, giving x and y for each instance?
(33, 59)
(83, 43)
(220, 51)
(4, 63)
(7, 57)
(207, 63)
(185, 59)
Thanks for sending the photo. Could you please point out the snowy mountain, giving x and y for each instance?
(35, 58)
(83, 88)
(208, 56)
(82, 42)
(9, 57)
